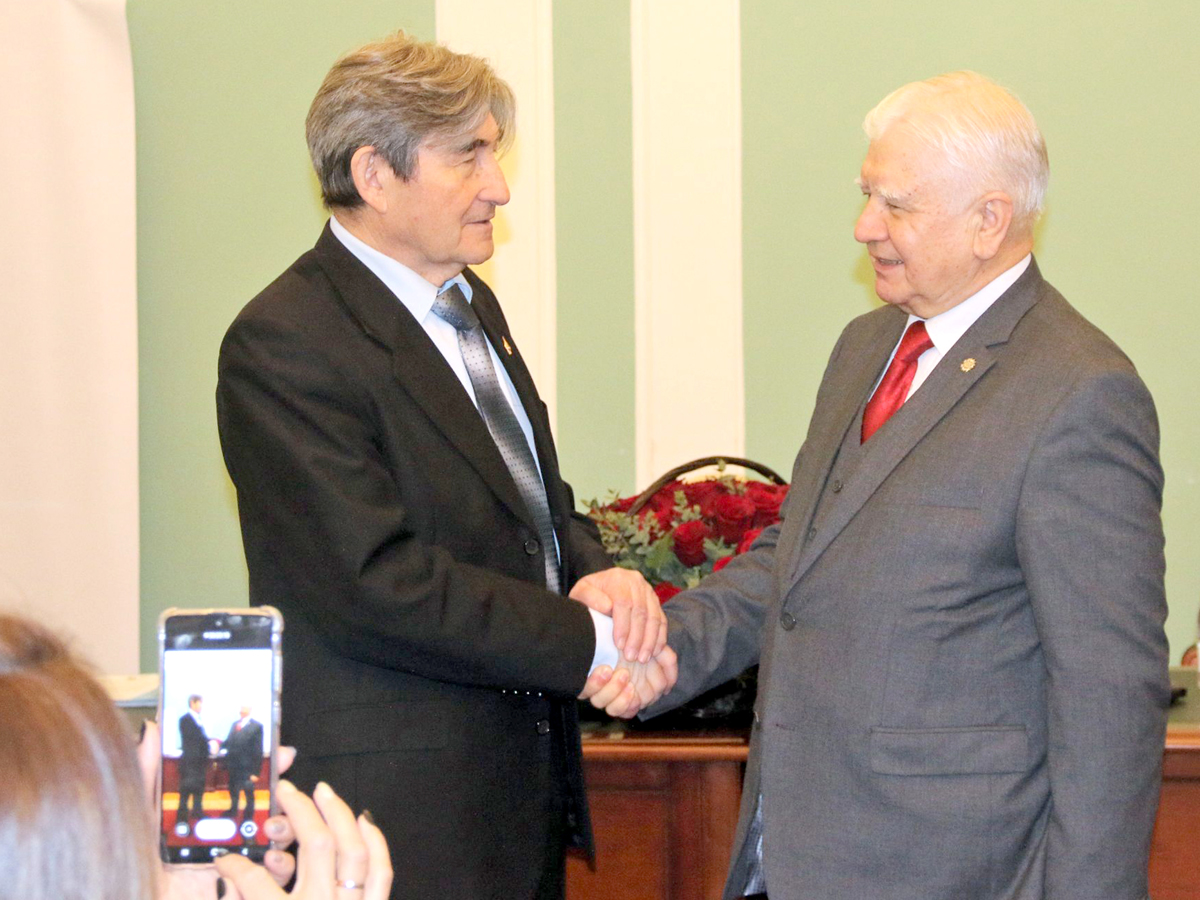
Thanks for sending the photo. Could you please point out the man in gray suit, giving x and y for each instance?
(959, 620)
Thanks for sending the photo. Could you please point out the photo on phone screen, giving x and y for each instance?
(219, 717)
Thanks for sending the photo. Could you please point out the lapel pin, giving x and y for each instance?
(507, 345)
(967, 364)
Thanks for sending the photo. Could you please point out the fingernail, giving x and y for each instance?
(366, 814)
(285, 787)
(323, 789)
(220, 888)
(274, 828)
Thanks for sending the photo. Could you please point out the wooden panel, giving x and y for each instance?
(1175, 852)
(664, 811)
(632, 838)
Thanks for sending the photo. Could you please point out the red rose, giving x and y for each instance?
(689, 542)
(665, 591)
(722, 563)
(664, 497)
(733, 514)
(767, 498)
(703, 493)
(747, 539)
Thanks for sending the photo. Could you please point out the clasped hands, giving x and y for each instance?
(647, 667)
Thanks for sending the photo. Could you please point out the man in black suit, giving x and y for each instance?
(243, 762)
(193, 762)
(401, 503)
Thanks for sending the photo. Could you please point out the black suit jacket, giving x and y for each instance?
(428, 674)
(193, 757)
(244, 751)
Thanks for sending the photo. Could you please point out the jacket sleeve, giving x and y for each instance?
(1090, 542)
(327, 528)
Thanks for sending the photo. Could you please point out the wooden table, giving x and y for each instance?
(1175, 853)
(664, 808)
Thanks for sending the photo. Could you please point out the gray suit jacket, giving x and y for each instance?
(963, 673)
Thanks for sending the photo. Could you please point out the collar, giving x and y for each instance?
(411, 289)
(946, 328)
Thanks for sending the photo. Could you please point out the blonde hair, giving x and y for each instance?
(74, 823)
(982, 130)
(393, 95)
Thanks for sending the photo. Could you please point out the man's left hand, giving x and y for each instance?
(639, 626)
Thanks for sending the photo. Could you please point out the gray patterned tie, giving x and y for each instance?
(501, 421)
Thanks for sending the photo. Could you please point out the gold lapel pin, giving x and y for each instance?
(508, 347)
(968, 364)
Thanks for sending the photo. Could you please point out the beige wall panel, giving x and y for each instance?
(687, 231)
(68, 348)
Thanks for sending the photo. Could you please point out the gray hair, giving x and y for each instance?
(394, 95)
(982, 130)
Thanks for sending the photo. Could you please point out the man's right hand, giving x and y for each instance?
(632, 686)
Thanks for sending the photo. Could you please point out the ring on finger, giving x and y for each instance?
(350, 884)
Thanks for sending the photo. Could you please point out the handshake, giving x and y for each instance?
(646, 667)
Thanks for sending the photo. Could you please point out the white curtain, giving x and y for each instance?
(68, 324)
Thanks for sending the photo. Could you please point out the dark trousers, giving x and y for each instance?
(238, 788)
(191, 800)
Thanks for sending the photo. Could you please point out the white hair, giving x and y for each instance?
(982, 131)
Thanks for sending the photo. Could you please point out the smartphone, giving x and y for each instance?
(218, 711)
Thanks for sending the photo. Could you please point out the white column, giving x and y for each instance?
(68, 345)
(687, 136)
(516, 37)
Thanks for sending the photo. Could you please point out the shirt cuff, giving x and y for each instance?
(606, 651)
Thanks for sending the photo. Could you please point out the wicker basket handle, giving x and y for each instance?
(644, 497)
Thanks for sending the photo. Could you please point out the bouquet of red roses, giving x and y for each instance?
(686, 530)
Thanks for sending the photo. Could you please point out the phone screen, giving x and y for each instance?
(219, 718)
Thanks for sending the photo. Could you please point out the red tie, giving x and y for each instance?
(892, 390)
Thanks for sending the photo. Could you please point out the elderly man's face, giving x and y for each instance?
(440, 220)
(918, 228)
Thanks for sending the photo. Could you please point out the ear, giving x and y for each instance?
(372, 175)
(994, 211)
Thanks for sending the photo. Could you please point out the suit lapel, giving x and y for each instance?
(982, 344)
(419, 368)
(840, 399)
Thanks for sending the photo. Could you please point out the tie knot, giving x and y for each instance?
(451, 306)
(915, 342)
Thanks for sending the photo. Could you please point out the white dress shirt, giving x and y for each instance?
(946, 328)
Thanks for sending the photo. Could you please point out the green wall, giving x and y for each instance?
(1113, 87)
(226, 200)
(593, 146)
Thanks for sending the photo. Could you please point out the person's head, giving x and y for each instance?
(244, 711)
(194, 703)
(404, 136)
(955, 178)
(74, 823)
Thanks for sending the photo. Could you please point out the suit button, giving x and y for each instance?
(787, 620)
(543, 726)
(837, 485)
(812, 533)
(532, 547)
